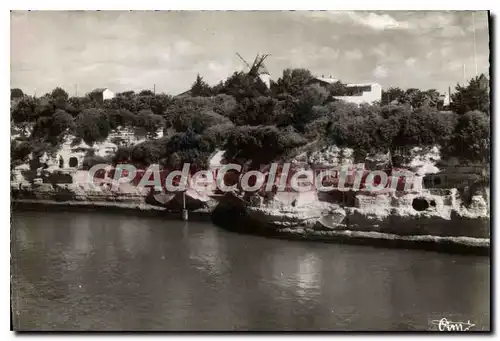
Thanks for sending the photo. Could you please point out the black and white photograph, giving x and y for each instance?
(250, 171)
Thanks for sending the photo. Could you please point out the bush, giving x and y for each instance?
(20, 151)
(122, 155)
(16, 93)
(92, 125)
(252, 122)
(241, 85)
(61, 122)
(90, 161)
(148, 152)
(472, 136)
(24, 110)
(473, 96)
(254, 111)
(261, 144)
(121, 118)
(292, 82)
(149, 121)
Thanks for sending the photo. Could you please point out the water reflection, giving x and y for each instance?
(207, 252)
(112, 272)
(308, 276)
(82, 237)
(134, 236)
(298, 271)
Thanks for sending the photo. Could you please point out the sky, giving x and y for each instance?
(135, 50)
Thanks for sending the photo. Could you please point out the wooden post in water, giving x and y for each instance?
(184, 210)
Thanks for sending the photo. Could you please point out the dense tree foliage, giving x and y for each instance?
(16, 93)
(472, 136)
(260, 144)
(414, 97)
(200, 87)
(254, 123)
(473, 96)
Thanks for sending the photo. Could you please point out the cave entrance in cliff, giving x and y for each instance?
(61, 162)
(420, 204)
(73, 162)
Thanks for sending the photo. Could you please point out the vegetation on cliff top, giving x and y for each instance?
(252, 122)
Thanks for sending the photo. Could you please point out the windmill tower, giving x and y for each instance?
(258, 68)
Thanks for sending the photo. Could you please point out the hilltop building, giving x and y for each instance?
(101, 94)
(362, 93)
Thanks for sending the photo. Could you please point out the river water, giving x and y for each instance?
(104, 271)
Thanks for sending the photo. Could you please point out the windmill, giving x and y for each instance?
(258, 68)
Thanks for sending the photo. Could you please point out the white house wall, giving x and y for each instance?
(368, 97)
(107, 94)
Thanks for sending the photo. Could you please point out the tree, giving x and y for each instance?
(200, 88)
(59, 93)
(292, 82)
(149, 121)
(146, 93)
(241, 85)
(61, 122)
(416, 98)
(472, 136)
(16, 93)
(217, 134)
(92, 125)
(254, 111)
(148, 152)
(121, 118)
(159, 103)
(474, 96)
(224, 104)
(217, 89)
(431, 98)
(260, 144)
(312, 96)
(24, 110)
(45, 107)
(338, 89)
(122, 155)
(392, 94)
(75, 105)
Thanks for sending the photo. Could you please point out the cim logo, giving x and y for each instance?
(449, 326)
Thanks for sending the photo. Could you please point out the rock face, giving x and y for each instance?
(328, 156)
(126, 196)
(295, 210)
(429, 211)
(72, 152)
(418, 214)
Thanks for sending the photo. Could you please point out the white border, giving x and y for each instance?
(256, 5)
(191, 5)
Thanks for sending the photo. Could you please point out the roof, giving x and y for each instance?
(185, 93)
(99, 90)
(263, 69)
(361, 84)
(327, 80)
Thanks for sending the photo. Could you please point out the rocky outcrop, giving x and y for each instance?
(125, 195)
(427, 216)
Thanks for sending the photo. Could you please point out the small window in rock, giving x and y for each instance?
(428, 182)
(73, 162)
(433, 203)
(420, 204)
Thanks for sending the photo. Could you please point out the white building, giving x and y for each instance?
(102, 94)
(368, 93)
(363, 92)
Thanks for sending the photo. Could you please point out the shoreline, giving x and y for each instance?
(239, 222)
(108, 206)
